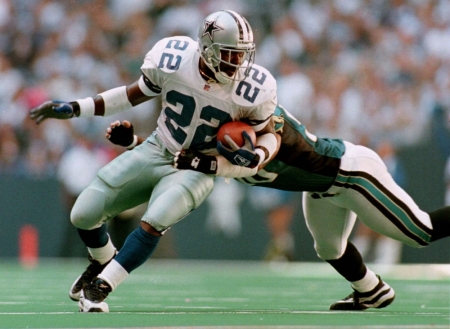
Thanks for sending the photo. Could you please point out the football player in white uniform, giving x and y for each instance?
(203, 84)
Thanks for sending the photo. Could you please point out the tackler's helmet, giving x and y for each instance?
(226, 37)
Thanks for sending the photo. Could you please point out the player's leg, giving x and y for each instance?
(330, 225)
(174, 197)
(122, 184)
(369, 291)
(364, 186)
(90, 214)
(383, 205)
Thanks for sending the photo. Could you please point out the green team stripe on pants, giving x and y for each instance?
(387, 203)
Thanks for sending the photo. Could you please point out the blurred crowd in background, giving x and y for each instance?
(368, 71)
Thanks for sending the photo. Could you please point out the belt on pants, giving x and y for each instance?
(161, 144)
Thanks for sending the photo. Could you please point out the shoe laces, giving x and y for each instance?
(354, 296)
(97, 291)
(93, 269)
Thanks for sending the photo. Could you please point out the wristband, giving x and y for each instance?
(262, 155)
(132, 145)
(87, 107)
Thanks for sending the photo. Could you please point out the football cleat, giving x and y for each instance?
(380, 296)
(93, 295)
(94, 269)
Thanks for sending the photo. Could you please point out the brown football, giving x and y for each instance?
(234, 129)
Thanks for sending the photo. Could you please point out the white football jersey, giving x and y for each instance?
(192, 109)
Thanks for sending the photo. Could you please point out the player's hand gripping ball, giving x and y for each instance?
(236, 142)
(234, 130)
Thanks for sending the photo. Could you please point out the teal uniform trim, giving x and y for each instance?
(398, 213)
(304, 161)
(329, 147)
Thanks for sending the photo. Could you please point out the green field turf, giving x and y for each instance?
(220, 294)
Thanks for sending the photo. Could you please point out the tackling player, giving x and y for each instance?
(203, 84)
(341, 181)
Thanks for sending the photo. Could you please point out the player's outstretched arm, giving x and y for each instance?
(104, 104)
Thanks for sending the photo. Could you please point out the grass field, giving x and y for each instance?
(221, 294)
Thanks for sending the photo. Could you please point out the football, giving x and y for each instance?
(234, 129)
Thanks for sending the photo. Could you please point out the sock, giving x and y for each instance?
(350, 265)
(103, 254)
(367, 283)
(113, 274)
(137, 248)
(440, 219)
(96, 238)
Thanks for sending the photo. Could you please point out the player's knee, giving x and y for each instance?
(162, 213)
(329, 252)
(88, 209)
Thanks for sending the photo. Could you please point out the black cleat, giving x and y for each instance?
(380, 296)
(93, 296)
(94, 269)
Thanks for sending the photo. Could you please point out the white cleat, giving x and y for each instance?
(380, 296)
(93, 296)
(94, 269)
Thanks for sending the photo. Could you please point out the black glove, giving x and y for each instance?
(121, 135)
(195, 160)
(52, 109)
(244, 156)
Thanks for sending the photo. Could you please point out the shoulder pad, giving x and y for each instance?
(259, 87)
(168, 53)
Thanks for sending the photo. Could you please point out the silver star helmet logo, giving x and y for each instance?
(210, 28)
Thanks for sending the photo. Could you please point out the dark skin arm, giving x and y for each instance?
(134, 93)
(67, 110)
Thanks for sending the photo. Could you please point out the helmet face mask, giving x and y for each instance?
(226, 45)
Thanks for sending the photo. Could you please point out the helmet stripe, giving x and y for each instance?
(245, 33)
